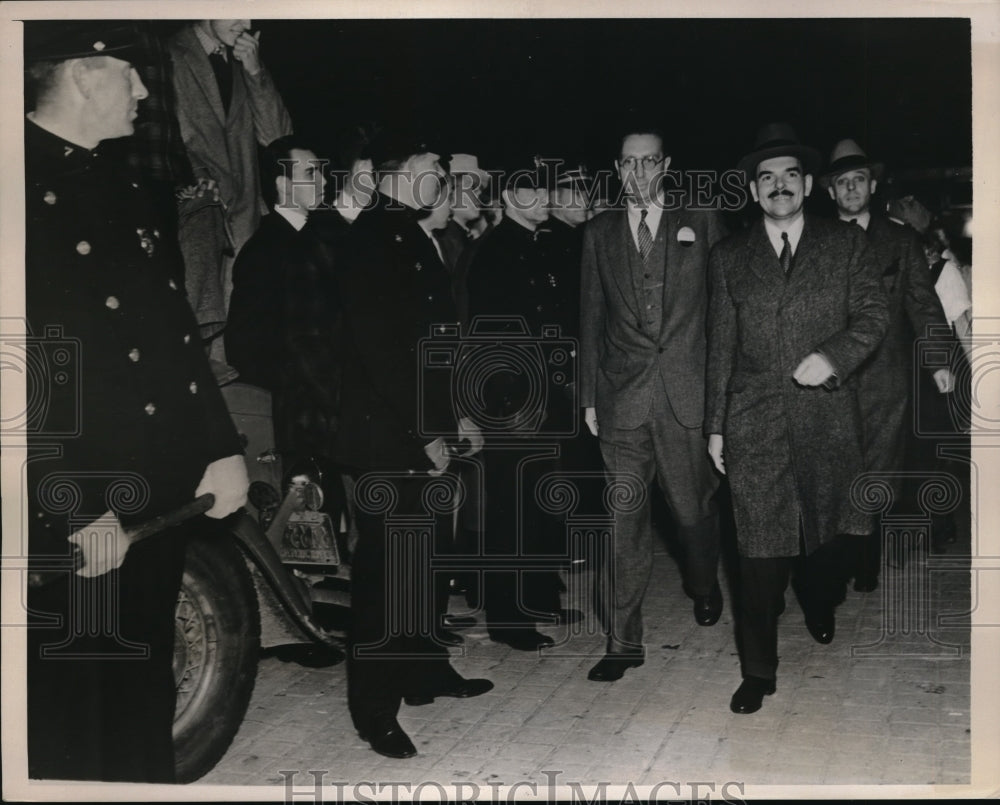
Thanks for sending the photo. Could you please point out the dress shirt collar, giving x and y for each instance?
(862, 219)
(794, 233)
(294, 216)
(210, 43)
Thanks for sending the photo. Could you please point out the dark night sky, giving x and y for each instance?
(902, 87)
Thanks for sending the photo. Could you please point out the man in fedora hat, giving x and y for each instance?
(151, 428)
(885, 379)
(795, 309)
(642, 364)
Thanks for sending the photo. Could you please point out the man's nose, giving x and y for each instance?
(139, 90)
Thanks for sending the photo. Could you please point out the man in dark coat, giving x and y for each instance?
(134, 426)
(510, 279)
(796, 307)
(398, 290)
(642, 383)
(885, 381)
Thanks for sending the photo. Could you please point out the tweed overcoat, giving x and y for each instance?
(791, 452)
(885, 380)
(621, 361)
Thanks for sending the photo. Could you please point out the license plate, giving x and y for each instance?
(310, 538)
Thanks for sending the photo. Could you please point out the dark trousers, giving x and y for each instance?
(678, 458)
(519, 532)
(101, 690)
(819, 583)
(393, 603)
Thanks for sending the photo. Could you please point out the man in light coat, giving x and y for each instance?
(227, 104)
(795, 308)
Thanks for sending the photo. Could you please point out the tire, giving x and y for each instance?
(216, 650)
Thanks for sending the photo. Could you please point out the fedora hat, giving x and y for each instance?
(778, 140)
(58, 40)
(848, 156)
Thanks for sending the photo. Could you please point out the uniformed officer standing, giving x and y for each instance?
(398, 288)
(510, 278)
(135, 425)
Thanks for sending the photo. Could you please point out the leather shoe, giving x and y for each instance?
(521, 639)
(458, 621)
(862, 585)
(310, 655)
(462, 689)
(822, 629)
(708, 608)
(613, 666)
(388, 739)
(750, 694)
(448, 638)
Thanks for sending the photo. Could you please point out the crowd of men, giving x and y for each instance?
(776, 359)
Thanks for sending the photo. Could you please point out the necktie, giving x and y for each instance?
(854, 220)
(645, 238)
(786, 254)
(223, 70)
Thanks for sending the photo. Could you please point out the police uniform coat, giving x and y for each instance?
(791, 452)
(126, 416)
(885, 380)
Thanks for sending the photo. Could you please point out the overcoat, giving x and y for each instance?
(886, 379)
(283, 332)
(397, 296)
(621, 361)
(222, 145)
(791, 452)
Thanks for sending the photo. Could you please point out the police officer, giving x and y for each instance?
(134, 424)
(511, 279)
(398, 289)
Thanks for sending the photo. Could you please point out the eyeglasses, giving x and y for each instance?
(648, 162)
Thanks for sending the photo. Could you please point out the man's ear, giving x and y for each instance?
(666, 163)
(809, 184)
(833, 196)
(82, 76)
(753, 191)
(874, 186)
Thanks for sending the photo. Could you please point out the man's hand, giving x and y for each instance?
(715, 451)
(469, 432)
(590, 417)
(814, 370)
(198, 190)
(945, 381)
(437, 452)
(103, 545)
(246, 51)
(227, 480)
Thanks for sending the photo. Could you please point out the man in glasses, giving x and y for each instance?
(642, 377)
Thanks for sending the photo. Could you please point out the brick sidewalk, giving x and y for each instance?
(899, 717)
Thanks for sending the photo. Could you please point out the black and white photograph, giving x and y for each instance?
(482, 403)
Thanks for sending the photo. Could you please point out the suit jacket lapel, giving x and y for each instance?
(669, 225)
(200, 66)
(763, 261)
(804, 262)
(621, 243)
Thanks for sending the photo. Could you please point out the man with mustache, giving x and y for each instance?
(795, 308)
(885, 381)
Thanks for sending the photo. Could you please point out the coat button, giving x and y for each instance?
(133, 355)
(430, 297)
(173, 285)
(112, 303)
(187, 339)
(538, 308)
(150, 409)
(418, 266)
(193, 388)
(83, 247)
(399, 238)
(49, 197)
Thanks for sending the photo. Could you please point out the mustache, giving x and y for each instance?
(776, 193)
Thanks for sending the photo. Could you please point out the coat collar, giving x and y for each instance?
(194, 55)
